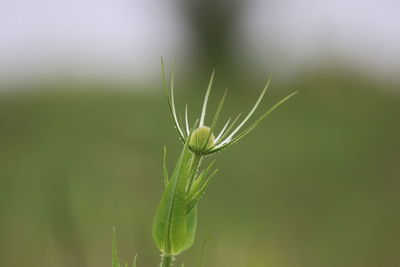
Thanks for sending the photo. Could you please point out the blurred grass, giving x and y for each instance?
(319, 180)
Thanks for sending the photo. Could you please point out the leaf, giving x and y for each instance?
(198, 181)
(171, 100)
(223, 130)
(203, 253)
(203, 110)
(252, 110)
(191, 229)
(222, 138)
(166, 179)
(187, 120)
(134, 261)
(169, 226)
(199, 193)
(115, 256)
(254, 125)
(257, 122)
(215, 120)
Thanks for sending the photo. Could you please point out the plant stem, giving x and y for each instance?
(195, 164)
(167, 260)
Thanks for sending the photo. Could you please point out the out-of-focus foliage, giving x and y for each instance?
(115, 253)
(319, 189)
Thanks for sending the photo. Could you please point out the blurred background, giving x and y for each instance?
(83, 120)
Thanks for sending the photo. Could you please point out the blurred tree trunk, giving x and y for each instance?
(212, 23)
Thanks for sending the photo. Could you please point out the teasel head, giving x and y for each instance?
(201, 138)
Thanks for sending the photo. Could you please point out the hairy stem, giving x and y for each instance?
(167, 260)
(195, 164)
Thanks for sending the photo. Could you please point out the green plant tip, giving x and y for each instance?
(202, 139)
(175, 222)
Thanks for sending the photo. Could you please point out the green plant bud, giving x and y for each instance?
(199, 139)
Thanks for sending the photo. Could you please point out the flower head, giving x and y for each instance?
(201, 138)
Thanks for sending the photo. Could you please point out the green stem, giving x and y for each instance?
(167, 260)
(195, 164)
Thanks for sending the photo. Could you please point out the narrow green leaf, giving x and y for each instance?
(115, 256)
(163, 78)
(215, 119)
(199, 181)
(171, 102)
(194, 163)
(203, 110)
(187, 120)
(134, 261)
(203, 253)
(257, 122)
(172, 75)
(274, 107)
(166, 179)
(254, 125)
(180, 121)
(199, 193)
(222, 138)
(252, 110)
(223, 130)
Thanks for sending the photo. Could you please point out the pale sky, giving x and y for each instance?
(366, 32)
(123, 39)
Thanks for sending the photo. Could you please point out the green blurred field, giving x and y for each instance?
(318, 181)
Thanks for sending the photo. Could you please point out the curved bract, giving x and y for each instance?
(230, 132)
